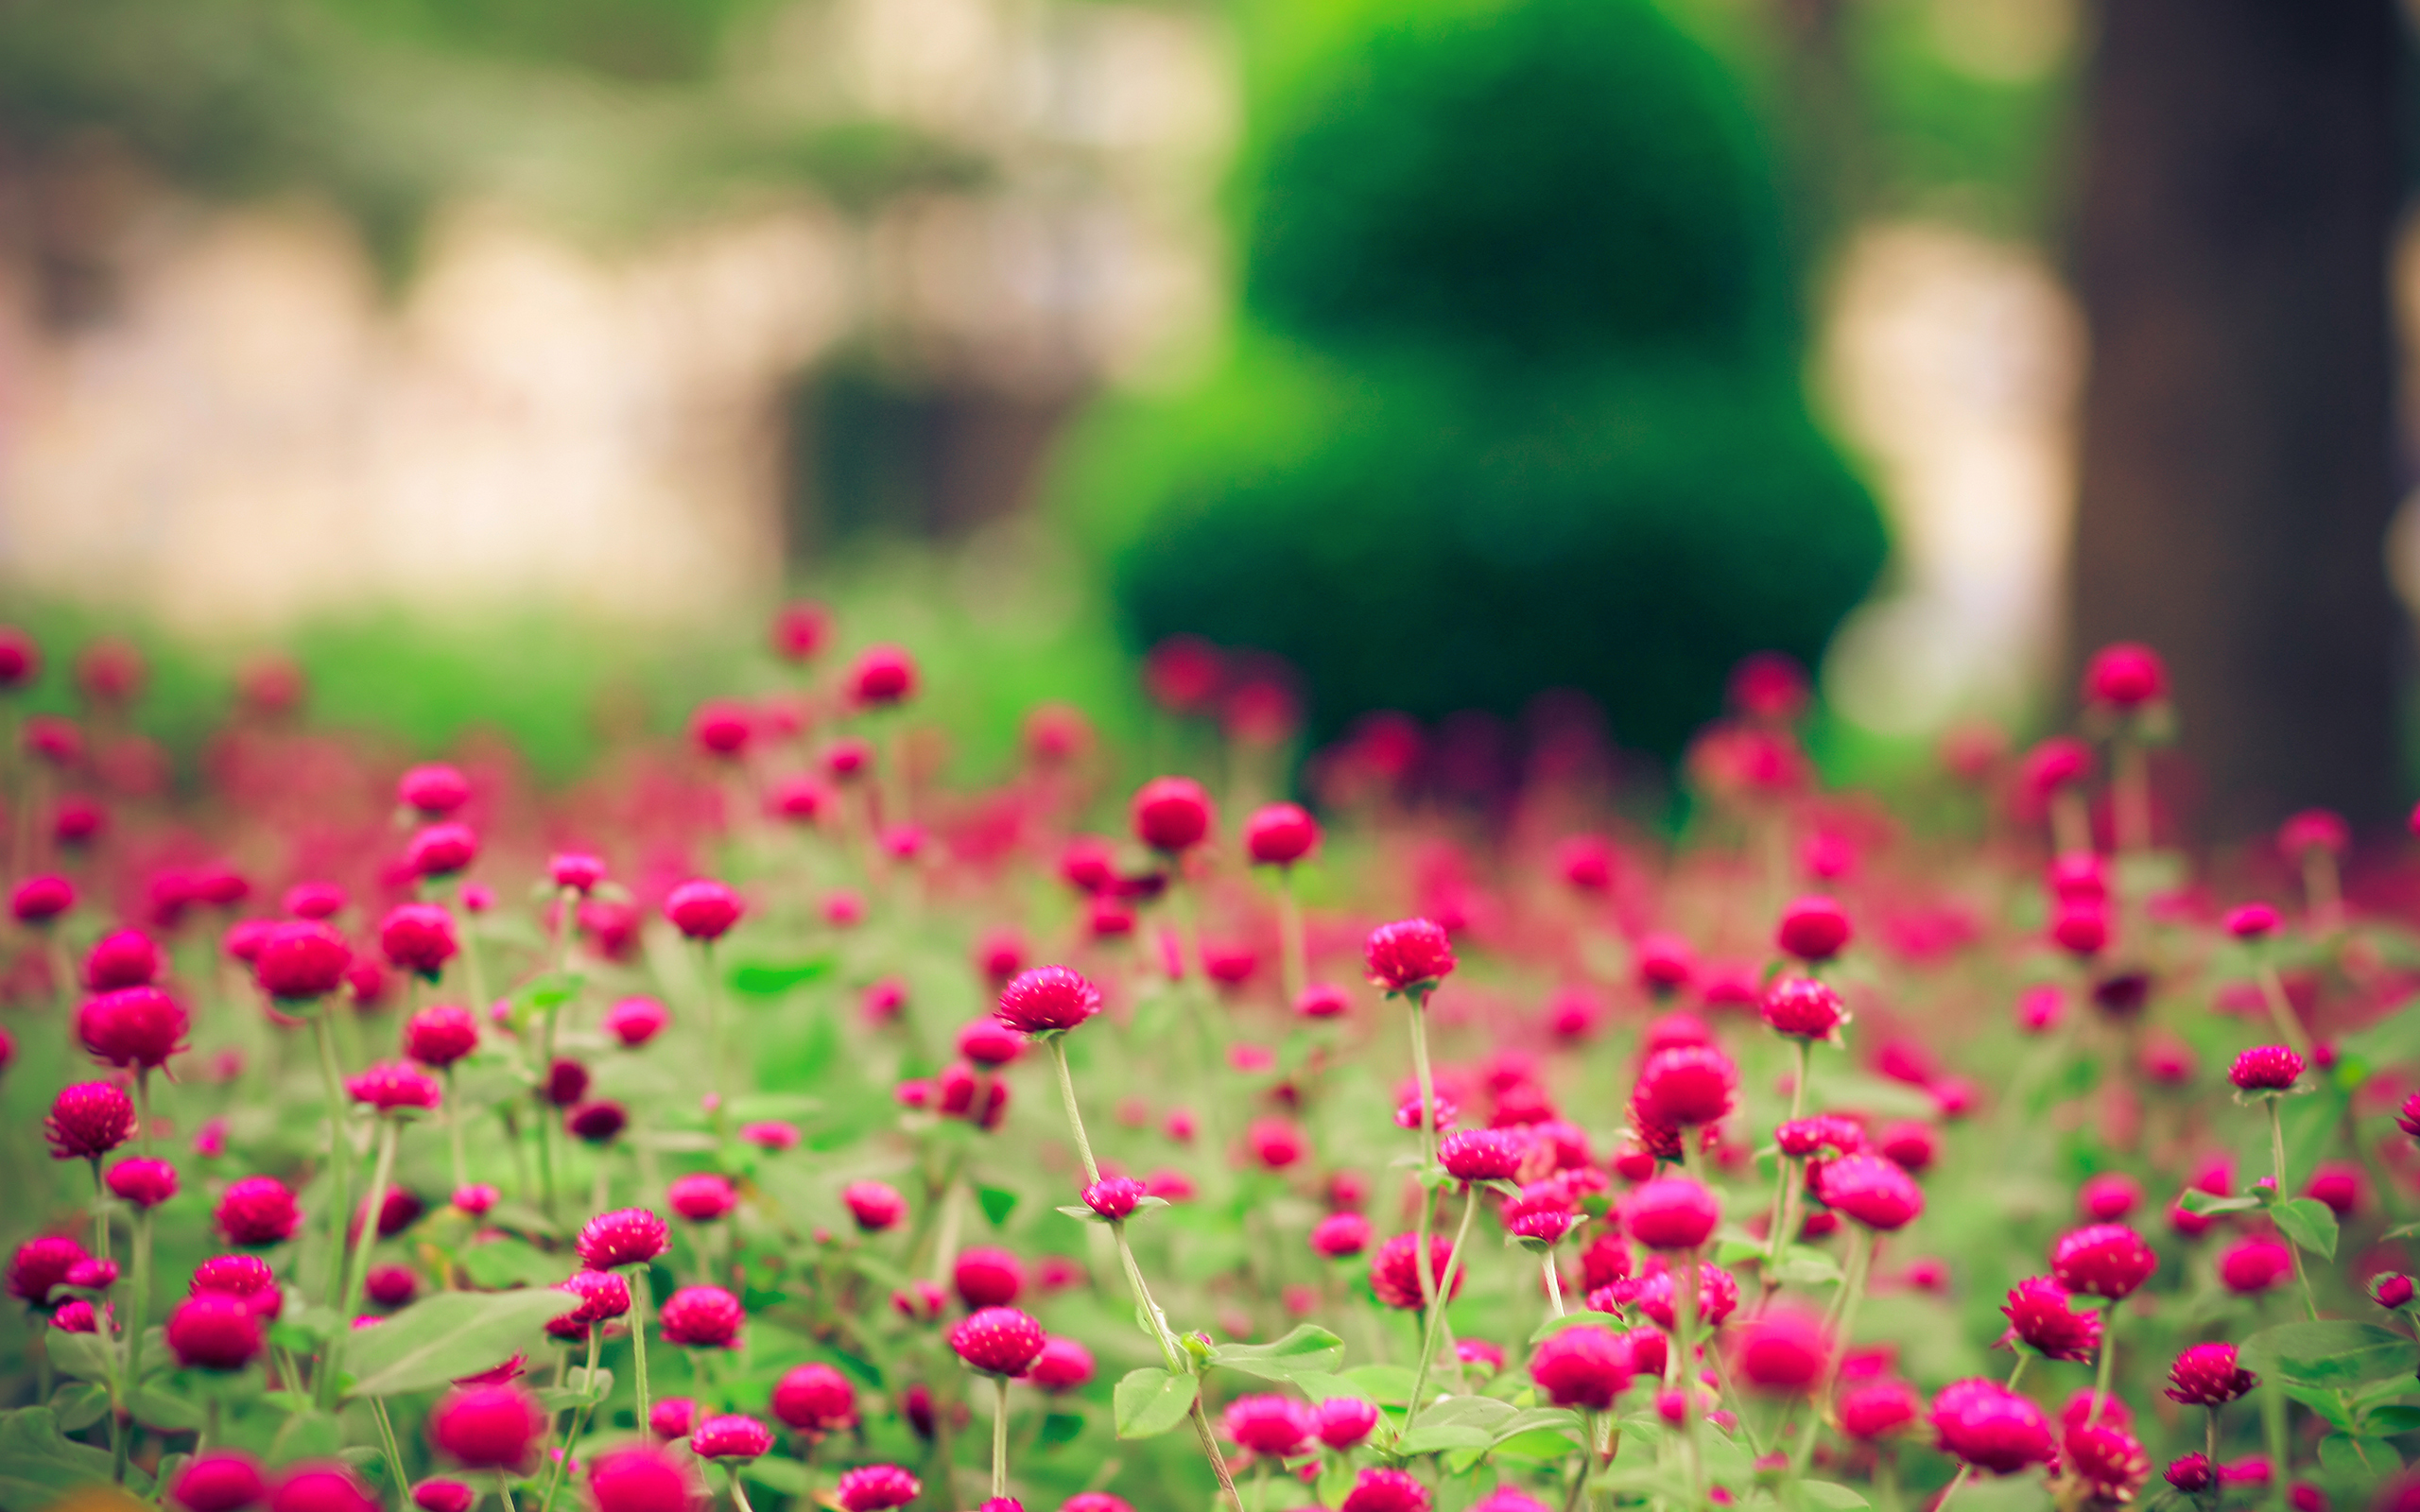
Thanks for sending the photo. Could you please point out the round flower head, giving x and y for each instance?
(1395, 1272)
(213, 1330)
(417, 938)
(1671, 1212)
(636, 1021)
(2106, 1457)
(731, 1437)
(702, 910)
(987, 1277)
(1781, 1353)
(701, 1196)
(394, 1087)
(142, 1183)
(1048, 998)
(244, 1276)
(38, 900)
(441, 1035)
(41, 1264)
(600, 1121)
(433, 791)
(630, 1236)
(443, 1495)
(2125, 675)
(322, 1488)
(2206, 1375)
(1385, 1490)
(2254, 1265)
(643, 1479)
(603, 1296)
(2191, 1473)
(1582, 1365)
(2102, 1260)
(1267, 1424)
(1718, 1297)
(441, 850)
(88, 1120)
(874, 1488)
(486, 1427)
(2266, 1068)
(1410, 956)
(301, 960)
(672, 1416)
(1803, 1008)
(1342, 1422)
(1171, 815)
(883, 676)
(702, 1317)
(256, 1211)
(998, 1340)
(1482, 1154)
(1114, 1197)
(121, 959)
(1875, 1191)
(1280, 834)
(815, 1398)
(1063, 1365)
(132, 1026)
(220, 1480)
(1991, 1427)
(1340, 1235)
(1685, 1086)
(874, 1204)
(1813, 928)
(2391, 1290)
(1878, 1409)
(2039, 1317)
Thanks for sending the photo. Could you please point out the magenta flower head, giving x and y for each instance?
(635, 1021)
(1171, 815)
(701, 1196)
(1063, 1365)
(440, 1034)
(730, 1436)
(441, 850)
(245, 1276)
(1876, 1191)
(1114, 1196)
(642, 1479)
(1047, 999)
(2206, 1375)
(2191, 1474)
(142, 1183)
(2266, 1068)
(132, 1026)
(417, 938)
(1671, 1212)
(575, 870)
(1582, 1365)
(1394, 1270)
(301, 960)
(2109, 1460)
(815, 1398)
(702, 910)
(721, 727)
(123, 958)
(42, 1263)
(395, 1087)
(876, 1206)
(998, 1341)
(1991, 1427)
(2252, 921)
(1781, 1353)
(603, 1296)
(214, 1331)
(629, 1236)
(800, 630)
(1267, 1424)
(702, 1317)
(1410, 956)
(88, 1120)
(987, 1277)
(1342, 1422)
(2391, 1290)
(443, 1494)
(873, 1489)
(1878, 1409)
(1385, 1490)
(1340, 1235)
(883, 676)
(38, 900)
(2125, 675)
(486, 1427)
(2253, 1265)
(219, 1481)
(1685, 1086)
(256, 1211)
(2102, 1260)
(1813, 928)
(1803, 1008)
(1280, 834)
(433, 791)
(1483, 1153)
(2040, 1319)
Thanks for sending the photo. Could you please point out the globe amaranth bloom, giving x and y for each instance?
(1340, 1235)
(874, 1488)
(2206, 1375)
(1410, 956)
(702, 910)
(1878, 1409)
(1781, 1353)
(441, 1035)
(1582, 1365)
(1685, 1087)
(487, 1427)
(143, 1183)
(1171, 815)
(244, 1276)
(1048, 998)
(1342, 1422)
(997, 1340)
(41, 1265)
(986, 1275)
(441, 850)
(1267, 1424)
(729, 1436)
(218, 1481)
(2125, 675)
(256, 1211)
(1385, 1490)
(395, 1087)
(2102, 1260)
(876, 1206)
(1483, 1153)
(815, 1398)
(417, 938)
(1671, 1212)
(1717, 1295)
(1814, 928)
(1801, 1008)
(121, 959)
(132, 1026)
(301, 960)
(2040, 1319)
(603, 1296)
(634, 1021)
(2107, 1457)
(702, 1317)
(1876, 1192)
(213, 1330)
(701, 1196)
(2266, 1068)
(1991, 1427)
(1063, 1365)
(629, 1236)
(88, 1120)
(1395, 1272)
(882, 675)
(1114, 1197)
(1280, 834)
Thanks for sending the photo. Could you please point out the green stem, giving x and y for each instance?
(578, 1419)
(394, 1452)
(454, 1133)
(1554, 1284)
(356, 1268)
(1000, 1435)
(2277, 1158)
(1437, 1310)
(715, 1068)
(1422, 1266)
(138, 1307)
(339, 1153)
(2106, 1365)
(738, 1496)
(2281, 1008)
(640, 1303)
(1067, 1100)
(1685, 1318)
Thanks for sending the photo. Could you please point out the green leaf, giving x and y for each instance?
(1319, 1388)
(1385, 1383)
(1540, 1420)
(80, 1405)
(1538, 1443)
(1729, 1253)
(1572, 1320)
(1063, 1428)
(786, 1476)
(449, 1336)
(1479, 1412)
(602, 1387)
(155, 1408)
(1427, 1439)
(1308, 1347)
(760, 979)
(1081, 1214)
(502, 1262)
(2394, 1419)
(996, 1203)
(1803, 1266)
(2328, 1355)
(2330, 1405)
(81, 1354)
(307, 1435)
(2372, 1459)
(2309, 1223)
(1831, 1495)
(38, 1463)
(1336, 1482)
(1151, 1400)
(2198, 1201)
(2390, 1040)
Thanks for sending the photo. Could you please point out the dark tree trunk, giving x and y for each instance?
(2239, 191)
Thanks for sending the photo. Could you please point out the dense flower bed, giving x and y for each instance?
(764, 1121)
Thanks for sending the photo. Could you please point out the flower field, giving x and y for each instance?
(763, 1120)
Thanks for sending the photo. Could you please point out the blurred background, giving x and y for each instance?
(1498, 363)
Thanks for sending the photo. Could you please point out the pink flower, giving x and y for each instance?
(2255, 1265)
(142, 1182)
(603, 1296)
(1340, 1235)
(1814, 928)
(987, 1277)
(1878, 1409)
(1685, 1087)
(1171, 815)
(702, 1317)
(998, 1340)
(1803, 1008)
(815, 1398)
(702, 910)
(1990, 1427)
(212, 1330)
(884, 674)
(871, 1489)
(701, 1197)
(2266, 1068)
(1063, 1365)
(2039, 1316)
(132, 1026)
(417, 938)
(1048, 998)
(631, 1236)
(120, 959)
(1410, 956)
(88, 1120)
(2104, 1260)
(301, 960)
(644, 1479)
(41, 1264)
(1876, 1192)
(1482, 1154)
(1582, 1365)
(874, 1204)
(1395, 1272)
(256, 1211)
(433, 791)
(219, 1481)
(1671, 1212)
(1385, 1490)
(2125, 675)
(441, 850)
(730, 1436)
(1781, 1353)
(2206, 1375)
(1267, 1424)
(486, 1428)
(395, 1086)
(635, 1021)
(1280, 834)
(1342, 1422)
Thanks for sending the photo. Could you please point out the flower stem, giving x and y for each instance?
(1554, 1284)
(2277, 1157)
(393, 1451)
(1000, 1435)
(2107, 1362)
(1293, 956)
(639, 1304)
(453, 1134)
(1074, 1116)
(1437, 1310)
(339, 1153)
(2281, 1008)
(578, 1419)
(1685, 1318)
(138, 1307)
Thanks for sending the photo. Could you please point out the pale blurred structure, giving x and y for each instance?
(248, 429)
